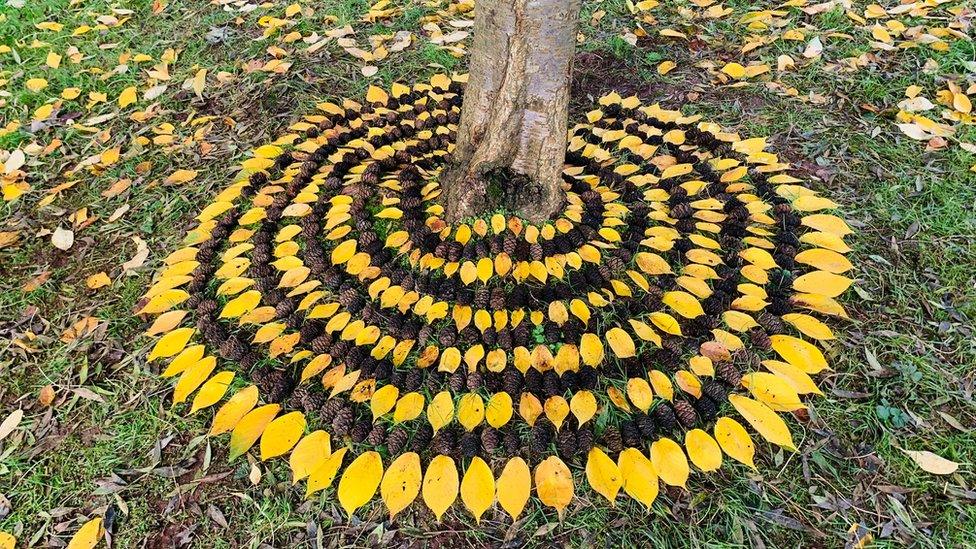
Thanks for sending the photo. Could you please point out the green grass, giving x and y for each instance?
(914, 251)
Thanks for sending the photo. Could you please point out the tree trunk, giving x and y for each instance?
(511, 140)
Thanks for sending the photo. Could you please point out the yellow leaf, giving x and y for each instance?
(309, 454)
(734, 70)
(735, 441)
(583, 405)
(35, 84)
(127, 97)
(249, 428)
(640, 393)
(470, 411)
(241, 304)
(665, 323)
(88, 535)
(530, 408)
(198, 82)
(558, 312)
(621, 343)
(688, 383)
(212, 391)
(478, 488)
(683, 303)
(603, 474)
(554, 484)
(401, 483)
(440, 411)
(798, 380)
(230, 414)
(556, 409)
(499, 409)
(773, 391)
(383, 400)
(281, 434)
(440, 486)
(580, 310)
(514, 487)
(98, 280)
(809, 326)
(591, 349)
(344, 252)
(670, 462)
(376, 95)
(484, 269)
(799, 353)
(171, 343)
(764, 420)
(192, 377)
(468, 273)
(408, 407)
(180, 176)
(822, 283)
(639, 477)
(824, 260)
(360, 481)
(703, 450)
(322, 478)
(53, 60)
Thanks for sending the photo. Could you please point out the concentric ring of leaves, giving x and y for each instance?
(681, 287)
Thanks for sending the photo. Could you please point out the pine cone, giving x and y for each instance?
(646, 426)
(566, 443)
(685, 413)
(770, 323)
(512, 382)
(475, 380)
(550, 384)
(232, 348)
(760, 339)
(541, 436)
(470, 445)
(509, 244)
(612, 440)
(728, 373)
(330, 409)
(512, 442)
(630, 434)
(715, 391)
(497, 301)
(342, 423)
(413, 380)
(584, 440)
(360, 430)
(490, 439)
(706, 408)
(458, 381)
(445, 442)
(396, 441)
(664, 417)
(377, 435)
(682, 211)
(421, 438)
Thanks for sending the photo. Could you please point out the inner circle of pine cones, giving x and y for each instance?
(667, 320)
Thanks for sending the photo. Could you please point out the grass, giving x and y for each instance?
(903, 365)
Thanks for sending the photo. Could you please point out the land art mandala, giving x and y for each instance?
(670, 313)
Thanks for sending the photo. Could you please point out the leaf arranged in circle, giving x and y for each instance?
(554, 484)
(440, 487)
(514, 487)
(359, 481)
(401, 483)
(639, 478)
(603, 474)
(478, 488)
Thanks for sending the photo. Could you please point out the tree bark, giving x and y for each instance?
(511, 141)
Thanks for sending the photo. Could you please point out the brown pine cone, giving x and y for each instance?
(458, 381)
(612, 440)
(685, 413)
(470, 445)
(232, 348)
(541, 436)
(342, 423)
(509, 244)
(482, 297)
(434, 381)
(512, 443)
(377, 435)
(566, 443)
(715, 391)
(646, 426)
(447, 336)
(445, 442)
(360, 430)
(760, 339)
(630, 434)
(421, 438)
(397, 441)
(706, 408)
(490, 439)
(512, 382)
(584, 440)
(664, 417)
(413, 380)
(771, 323)
(330, 409)
(682, 210)
(536, 251)
(322, 344)
(497, 300)
(728, 373)
(475, 380)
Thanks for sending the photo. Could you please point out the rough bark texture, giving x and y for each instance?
(512, 136)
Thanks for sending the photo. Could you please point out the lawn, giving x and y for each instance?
(120, 121)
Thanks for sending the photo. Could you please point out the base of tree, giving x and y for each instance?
(677, 296)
